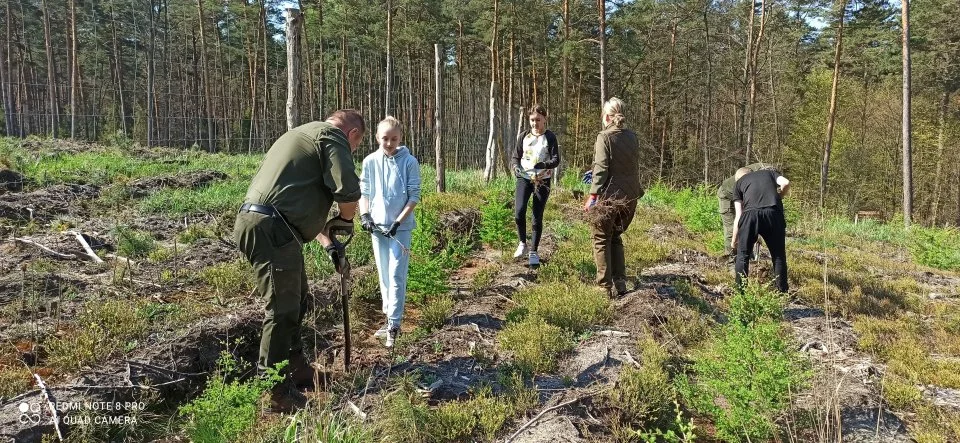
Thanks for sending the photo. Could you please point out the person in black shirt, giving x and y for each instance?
(758, 202)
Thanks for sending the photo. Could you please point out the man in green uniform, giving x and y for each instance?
(727, 213)
(287, 204)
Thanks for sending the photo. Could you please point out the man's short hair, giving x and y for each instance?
(350, 118)
(741, 172)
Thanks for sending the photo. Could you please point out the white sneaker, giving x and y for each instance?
(521, 247)
(392, 336)
(382, 332)
(534, 258)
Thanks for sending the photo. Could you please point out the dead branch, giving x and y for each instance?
(86, 246)
(45, 249)
(53, 409)
(612, 333)
(552, 408)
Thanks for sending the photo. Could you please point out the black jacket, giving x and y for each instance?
(553, 151)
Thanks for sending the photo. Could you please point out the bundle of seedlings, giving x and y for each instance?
(606, 211)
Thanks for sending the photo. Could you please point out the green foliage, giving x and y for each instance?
(497, 228)
(681, 430)
(573, 307)
(326, 426)
(431, 262)
(214, 198)
(408, 418)
(756, 303)
(743, 380)
(229, 280)
(698, 208)
(484, 278)
(436, 312)
(642, 395)
(536, 344)
(195, 232)
(937, 248)
(227, 408)
(132, 243)
(101, 330)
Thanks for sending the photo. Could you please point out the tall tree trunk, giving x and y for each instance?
(73, 69)
(565, 62)
(413, 111)
(438, 121)
(460, 110)
(6, 79)
(907, 132)
(389, 71)
(754, 55)
(307, 51)
(602, 12)
(742, 102)
(665, 128)
(825, 166)
(709, 92)
(151, 56)
(323, 82)
(490, 170)
(54, 118)
(266, 77)
(941, 141)
(205, 78)
(293, 18)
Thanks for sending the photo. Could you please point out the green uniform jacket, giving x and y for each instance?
(616, 164)
(304, 172)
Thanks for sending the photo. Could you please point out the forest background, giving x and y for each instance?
(709, 84)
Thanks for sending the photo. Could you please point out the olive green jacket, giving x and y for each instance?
(304, 172)
(616, 164)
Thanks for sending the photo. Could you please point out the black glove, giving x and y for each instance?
(394, 227)
(336, 256)
(366, 222)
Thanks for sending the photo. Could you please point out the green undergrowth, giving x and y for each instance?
(99, 331)
(697, 208)
(743, 379)
(228, 406)
(644, 403)
(541, 329)
(214, 198)
(574, 307)
(44, 165)
(407, 417)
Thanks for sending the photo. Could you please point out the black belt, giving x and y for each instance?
(260, 209)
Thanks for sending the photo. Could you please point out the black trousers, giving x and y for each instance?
(770, 224)
(540, 193)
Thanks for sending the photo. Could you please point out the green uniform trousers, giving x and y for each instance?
(608, 252)
(277, 258)
(727, 214)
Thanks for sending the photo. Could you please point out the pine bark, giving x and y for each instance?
(831, 119)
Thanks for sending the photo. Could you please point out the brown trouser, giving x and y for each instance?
(608, 250)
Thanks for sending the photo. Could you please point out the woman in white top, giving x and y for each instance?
(536, 155)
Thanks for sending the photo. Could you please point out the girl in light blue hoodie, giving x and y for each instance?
(390, 189)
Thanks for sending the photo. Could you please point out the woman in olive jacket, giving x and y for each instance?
(616, 176)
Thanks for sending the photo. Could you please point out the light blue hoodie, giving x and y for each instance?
(389, 183)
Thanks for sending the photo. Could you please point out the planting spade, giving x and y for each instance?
(344, 266)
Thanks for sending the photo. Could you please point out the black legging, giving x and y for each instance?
(524, 189)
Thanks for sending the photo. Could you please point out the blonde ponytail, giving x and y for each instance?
(614, 108)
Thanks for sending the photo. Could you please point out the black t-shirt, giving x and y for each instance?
(758, 190)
